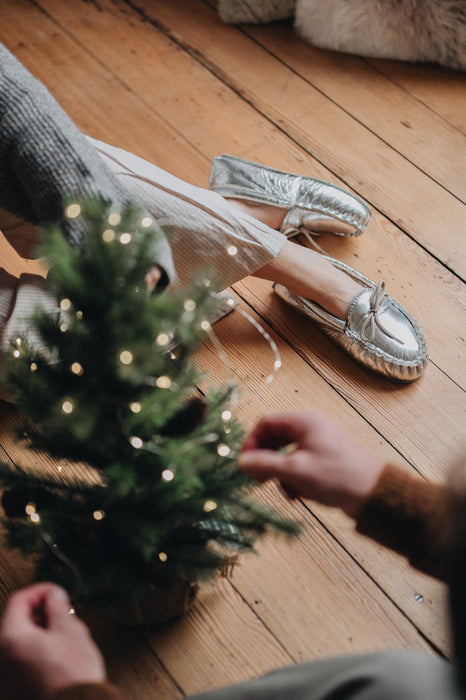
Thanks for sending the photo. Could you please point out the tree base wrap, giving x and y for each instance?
(160, 604)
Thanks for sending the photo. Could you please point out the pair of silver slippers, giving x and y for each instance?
(377, 332)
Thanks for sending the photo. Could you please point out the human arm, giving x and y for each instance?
(403, 512)
(45, 161)
(47, 653)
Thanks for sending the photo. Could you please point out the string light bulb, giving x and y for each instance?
(72, 211)
(126, 357)
(209, 506)
(223, 450)
(65, 305)
(163, 382)
(162, 339)
(125, 238)
(114, 219)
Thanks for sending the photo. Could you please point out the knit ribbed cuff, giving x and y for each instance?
(409, 515)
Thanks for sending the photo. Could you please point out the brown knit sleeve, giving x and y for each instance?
(89, 691)
(408, 515)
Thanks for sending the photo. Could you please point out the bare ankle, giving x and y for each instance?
(267, 213)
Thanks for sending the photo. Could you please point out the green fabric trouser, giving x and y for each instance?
(389, 675)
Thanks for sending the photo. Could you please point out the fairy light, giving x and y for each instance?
(135, 407)
(209, 506)
(98, 514)
(65, 305)
(71, 611)
(114, 219)
(163, 557)
(125, 238)
(67, 407)
(223, 450)
(207, 283)
(59, 469)
(168, 475)
(108, 235)
(35, 517)
(205, 325)
(72, 211)
(79, 315)
(18, 341)
(173, 356)
(232, 250)
(189, 305)
(64, 327)
(226, 415)
(162, 339)
(146, 222)
(30, 508)
(231, 301)
(277, 362)
(126, 357)
(163, 382)
(33, 367)
(77, 369)
(16, 353)
(136, 442)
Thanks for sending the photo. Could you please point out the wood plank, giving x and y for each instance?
(387, 406)
(149, 85)
(14, 264)
(412, 200)
(199, 635)
(313, 568)
(130, 663)
(432, 293)
(440, 89)
(298, 387)
(391, 113)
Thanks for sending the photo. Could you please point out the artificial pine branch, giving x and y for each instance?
(104, 388)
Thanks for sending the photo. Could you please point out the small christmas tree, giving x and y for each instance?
(112, 387)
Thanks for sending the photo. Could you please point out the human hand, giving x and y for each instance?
(42, 647)
(153, 277)
(324, 463)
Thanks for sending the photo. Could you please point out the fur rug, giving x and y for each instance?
(407, 30)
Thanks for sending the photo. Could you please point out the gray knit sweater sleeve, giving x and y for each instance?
(45, 160)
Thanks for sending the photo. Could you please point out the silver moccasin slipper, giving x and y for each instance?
(315, 206)
(378, 332)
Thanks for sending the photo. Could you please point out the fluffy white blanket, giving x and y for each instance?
(408, 30)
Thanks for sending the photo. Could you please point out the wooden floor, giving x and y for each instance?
(170, 82)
